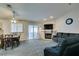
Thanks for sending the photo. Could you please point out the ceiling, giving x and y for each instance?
(36, 11)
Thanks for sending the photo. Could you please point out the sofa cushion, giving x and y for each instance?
(60, 41)
(72, 50)
(52, 50)
(72, 40)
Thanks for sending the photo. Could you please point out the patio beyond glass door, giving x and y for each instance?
(33, 32)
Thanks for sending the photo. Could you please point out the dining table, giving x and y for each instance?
(10, 41)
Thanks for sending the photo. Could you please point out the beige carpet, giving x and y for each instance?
(29, 48)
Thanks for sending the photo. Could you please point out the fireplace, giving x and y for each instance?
(48, 29)
(47, 36)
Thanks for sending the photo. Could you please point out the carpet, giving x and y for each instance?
(28, 48)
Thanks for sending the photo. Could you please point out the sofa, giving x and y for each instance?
(64, 35)
(68, 45)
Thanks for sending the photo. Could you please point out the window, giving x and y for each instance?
(16, 27)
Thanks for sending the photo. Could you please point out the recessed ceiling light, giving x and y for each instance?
(44, 19)
(51, 17)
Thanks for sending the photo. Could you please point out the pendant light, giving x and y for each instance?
(13, 13)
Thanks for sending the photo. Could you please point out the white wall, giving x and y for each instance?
(61, 26)
(5, 26)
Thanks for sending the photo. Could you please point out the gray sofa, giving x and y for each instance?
(68, 45)
(65, 36)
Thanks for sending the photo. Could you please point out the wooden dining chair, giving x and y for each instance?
(15, 41)
(2, 41)
(7, 41)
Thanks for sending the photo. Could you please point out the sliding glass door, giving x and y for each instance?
(30, 32)
(33, 32)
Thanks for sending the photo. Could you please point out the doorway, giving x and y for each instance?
(33, 32)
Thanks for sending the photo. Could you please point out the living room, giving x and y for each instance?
(40, 27)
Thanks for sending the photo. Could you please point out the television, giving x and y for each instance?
(48, 26)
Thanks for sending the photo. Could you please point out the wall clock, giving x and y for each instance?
(69, 21)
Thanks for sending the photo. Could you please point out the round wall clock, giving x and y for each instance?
(69, 21)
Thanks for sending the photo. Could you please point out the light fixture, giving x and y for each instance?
(44, 19)
(51, 17)
(13, 12)
(13, 21)
(13, 17)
